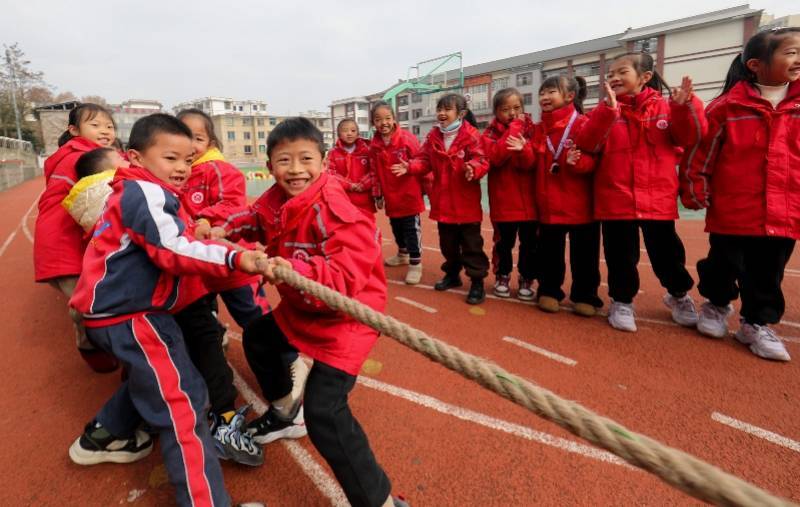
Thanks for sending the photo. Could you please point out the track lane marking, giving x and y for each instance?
(415, 304)
(546, 353)
(756, 431)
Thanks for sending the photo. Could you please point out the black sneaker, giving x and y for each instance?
(272, 426)
(448, 282)
(399, 501)
(477, 294)
(233, 442)
(97, 445)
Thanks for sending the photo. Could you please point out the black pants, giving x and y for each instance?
(584, 261)
(462, 247)
(664, 247)
(201, 334)
(408, 235)
(748, 265)
(505, 235)
(333, 429)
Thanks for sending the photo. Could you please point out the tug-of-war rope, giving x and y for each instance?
(677, 468)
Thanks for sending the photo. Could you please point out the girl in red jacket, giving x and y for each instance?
(511, 200)
(213, 191)
(59, 241)
(746, 172)
(453, 152)
(349, 163)
(639, 134)
(402, 195)
(564, 199)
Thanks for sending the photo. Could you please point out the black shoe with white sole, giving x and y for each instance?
(272, 426)
(97, 445)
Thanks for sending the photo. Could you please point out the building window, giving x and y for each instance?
(363, 107)
(556, 72)
(593, 92)
(587, 69)
(261, 134)
(349, 108)
(260, 122)
(255, 107)
(247, 136)
(229, 122)
(262, 148)
(247, 122)
(527, 99)
(402, 116)
(248, 149)
(416, 113)
(416, 98)
(499, 83)
(524, 79)
(362, 120)
(402, 100)
(273, 121)
(227, 106)
(415, 130)
(231, 135)
(241, 109)
(647, 45)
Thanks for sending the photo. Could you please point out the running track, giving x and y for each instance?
(442, 439)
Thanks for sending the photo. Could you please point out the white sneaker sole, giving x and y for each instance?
(690, 322)
(711, 332)
(627, 329)
(295, 431)
(81, 456)
(522, 297)
(501, 294)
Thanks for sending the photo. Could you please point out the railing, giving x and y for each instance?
(16, 144)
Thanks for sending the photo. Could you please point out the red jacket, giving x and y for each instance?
(58, 244)
(402, 194)
(213, 191)
(354, 172)
(140, 251)
(454, 200)
(329, 240)
(511, 175)
(640, 141)
(566, 196)
(747, 168)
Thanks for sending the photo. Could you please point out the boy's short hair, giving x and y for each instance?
(145, 130)
(93, 162)
(292, 129)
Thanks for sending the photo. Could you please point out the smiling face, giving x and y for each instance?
(98, 128)
(201, 141)
(446, 115)
(551, 99)
(348, 132)
(169, 157)
(383, 121)
(624, 79)
(784, 65)
(295, 165)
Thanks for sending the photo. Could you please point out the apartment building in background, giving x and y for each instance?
(701, 46)
(126, 114)
(322, 120)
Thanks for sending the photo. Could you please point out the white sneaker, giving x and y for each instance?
(683, 310)
(621, 316)
(763, 342)
(400, 259)
(414, 274)
(713, 319)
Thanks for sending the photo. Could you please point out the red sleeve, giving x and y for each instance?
(476, 157)
(699, 161)
(228, 191)
(594, 133)
(421, 163)
(243, 224)
(498, 153)
(527, 157)
(689, 123)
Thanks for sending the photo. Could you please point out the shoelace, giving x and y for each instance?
(766, 333)
(624, 309)
(712, 311)
(685, 304)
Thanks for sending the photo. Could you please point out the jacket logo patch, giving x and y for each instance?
(301, 255)
(461, 154)
(363, 161)
(197, 197)
(662, 124)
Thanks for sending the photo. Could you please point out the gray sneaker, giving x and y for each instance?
(683, 310)
(621, 316)
(763, 342)
(713, 319)
(233, 442)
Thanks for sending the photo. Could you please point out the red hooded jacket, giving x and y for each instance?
(454, 200)
(566, 196)
(747, 168)
(59, 240)
(402, 194)
(640, 141)
(511, 175)
(329, 240)
(354, 172)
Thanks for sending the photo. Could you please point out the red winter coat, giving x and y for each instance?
(640, 141)
(564, 197)
(213, 191)
(747, 168)
(402, 194)
(59, 243)
(329, 240)
(355, 173)
(454, 200)
(511, 175)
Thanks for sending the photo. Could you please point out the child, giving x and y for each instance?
(196, 319)
(638, 133)
(309, 224)
(213, 190)
(454, 154)
(511, 198)
(402, 194)
(746, 173)
(128, 284)
(349, 163)
(58, 244)
(564, 198)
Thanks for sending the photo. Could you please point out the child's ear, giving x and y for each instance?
(647, 76)
(269, 166)
(73, 130)
(752, 65)
(570, 97)
(135, 158)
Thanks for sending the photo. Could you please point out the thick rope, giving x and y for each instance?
(677, 468)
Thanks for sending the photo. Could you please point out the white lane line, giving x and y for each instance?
(546, 353)
(492, 422)
(324, 482)
(756, 431)
(790, 323)
(415, 304)
(8, 241)
(24, 220)
(432, 249)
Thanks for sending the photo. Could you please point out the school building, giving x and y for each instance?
(701, 46)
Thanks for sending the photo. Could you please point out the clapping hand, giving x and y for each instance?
(682, 94)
